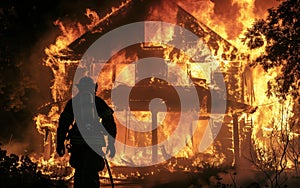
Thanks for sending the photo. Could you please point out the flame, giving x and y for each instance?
(96, 20)
(117, 71)
(93, 16)
(272, 114)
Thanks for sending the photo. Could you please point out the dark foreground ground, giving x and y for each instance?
(19, 171)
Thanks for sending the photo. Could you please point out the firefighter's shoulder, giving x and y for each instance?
(102, 106)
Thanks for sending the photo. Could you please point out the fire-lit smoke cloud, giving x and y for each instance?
(261, 6)
(227, 11)
(229, 18)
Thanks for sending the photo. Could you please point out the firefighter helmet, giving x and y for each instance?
(86, 83)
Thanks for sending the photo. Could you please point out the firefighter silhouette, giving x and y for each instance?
(96, 120)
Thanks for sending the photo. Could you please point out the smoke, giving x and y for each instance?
(14, 147)
(241, 177)
(235, 15)
(31, 142)
(261, 6)
(220, 15)
(228, 12)
(229, 18)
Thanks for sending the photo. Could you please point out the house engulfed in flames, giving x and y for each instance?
(230, 145)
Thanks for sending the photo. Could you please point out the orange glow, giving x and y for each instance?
(117, 70)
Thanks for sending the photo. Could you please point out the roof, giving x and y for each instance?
(143, 10)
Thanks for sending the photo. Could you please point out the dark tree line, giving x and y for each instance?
(278, 36)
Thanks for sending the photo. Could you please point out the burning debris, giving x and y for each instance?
(16, 171)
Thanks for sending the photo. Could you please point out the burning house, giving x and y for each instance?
(144, 83)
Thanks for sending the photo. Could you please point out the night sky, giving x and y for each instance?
(26, 29)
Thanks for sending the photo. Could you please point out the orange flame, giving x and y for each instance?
(202, 10)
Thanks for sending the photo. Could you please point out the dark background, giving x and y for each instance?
(26, 29)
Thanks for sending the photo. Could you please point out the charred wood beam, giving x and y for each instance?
(236, 139)
(154, 136)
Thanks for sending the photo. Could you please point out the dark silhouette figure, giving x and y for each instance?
(83, 121)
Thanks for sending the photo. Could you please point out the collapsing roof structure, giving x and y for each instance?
(141, 10)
